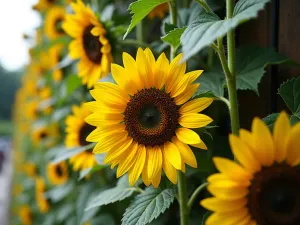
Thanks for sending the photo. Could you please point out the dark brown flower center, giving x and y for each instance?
(92, 45)
(43, 134)
(58, 25)
(151, 117)
(274, 196)
(59, 171)
(84, 131)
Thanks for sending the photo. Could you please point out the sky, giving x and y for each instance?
(16, 18)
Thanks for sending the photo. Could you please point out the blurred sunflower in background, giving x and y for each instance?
(40, 135)
(159, 11)
(53, 22)
(45, 135)
(30, 169)
(58, 173)
(90, 44)
(40, 189)
(77, 130)
(263, 187)
(55, 54)
(44, 4)
(145, 121)
(25, 215)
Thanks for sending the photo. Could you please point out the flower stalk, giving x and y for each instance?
(183, 202)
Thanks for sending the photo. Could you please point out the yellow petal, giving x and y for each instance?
(117, 150)
(119, 75)
(196, 105)
(107, 142)
(157, 178)
(200, 145)
(227, 192)
(194, 75)
(172, 154)
(188, 136)
(232, 169)
(227, 218)
(194, 120)
(143, 67)
(154, 158)
(186, 153)
(169, 170)
(128, 162)
(136, 170)
(219, 205)
(243, 154)
(98, 119)
(264, 145)
(281, 132)
(113, 89)
(293, 143)
(187, 94)
(161, 68)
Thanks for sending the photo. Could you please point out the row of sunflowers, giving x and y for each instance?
(112, 125)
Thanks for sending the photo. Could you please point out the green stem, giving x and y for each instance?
(173, 18)
(186, 3)
(140, 32)
(184, 210)
(195, 195)
(134, 43)
(210, 57)
(231, 81)
(204, 5)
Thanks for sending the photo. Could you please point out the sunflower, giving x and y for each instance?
(40, 189)
(44, 4)
(55, 56)
(143, 122)
(57, 173)
(45, 135)
(90, 44)
(53, 22)
(30, 169)
(25, 215)
(159, 11)
(263, 188)
(77, 130)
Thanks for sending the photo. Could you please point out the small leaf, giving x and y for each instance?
(148, 205)
(67, 153)
(140, 9)
(270, 120)
(169, 27)
(110, 196)
(173, 37)
(290, 92)
(205, 30)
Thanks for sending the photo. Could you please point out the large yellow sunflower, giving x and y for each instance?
(25, 215)
(40, 189)
(90, 45)
(263, 188)
(143, 122)
(159, 11)
(53, 22)
(77, 130)
(57, 173)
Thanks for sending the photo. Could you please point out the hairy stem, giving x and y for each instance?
(184, 210)
(140, 32)
(173, 17)
(231, 81)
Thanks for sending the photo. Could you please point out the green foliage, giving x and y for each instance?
(209, 27)
(270, 120)
(140, 9)
(290, 93)
(148, 205)
(173, 37)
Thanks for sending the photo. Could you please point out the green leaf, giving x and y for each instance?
(84, 173)
(110, 196)
(140, 9)
(67, 153)
(290, 92)
(169, 27)
(208, 28)
(173, 37)
(58, 193)
(251, 63)
(103, 219)
(73, 82)
(212, 82)
(64, 212)
(148, 205)
(270, 120)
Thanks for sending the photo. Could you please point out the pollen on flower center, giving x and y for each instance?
(92, 45)
(84, 131)
(274, 196)
(151, 117)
